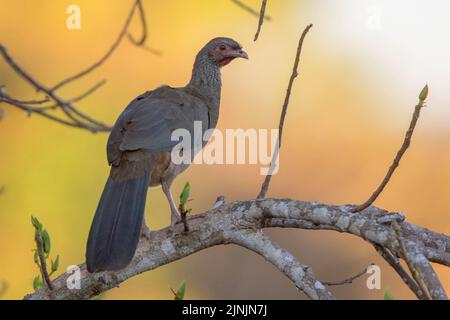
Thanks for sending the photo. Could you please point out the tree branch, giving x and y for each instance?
(42, 264)
(261, 18)
(137, 5)
(251, 10)
(348, 280)
(395, 264)
(420, 268)
(400, 153)
(73, 117)
(221, 225)
(273, 163)
(141, 41)
(301, 275)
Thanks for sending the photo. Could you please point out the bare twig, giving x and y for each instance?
(77, 98)
(250, 10)
(175, 294)
(400, 153)
(30, 111)
(395, 264)
(137, 5)
(265, 185)
(179, 294)
(73, 117)
(348, 280)
(261, 18)
(141, 41)
(31, 102)
(88, 92)
(42, 264)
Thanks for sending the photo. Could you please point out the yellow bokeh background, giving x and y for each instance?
(363, 66)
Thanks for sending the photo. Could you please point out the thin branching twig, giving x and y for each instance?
(72, 116)
(141, 41)
(348, 280)
(137, 5)
(250, 9)
(261, 19)
(400, 153)
(265, 185)
(75, 118)
(261, 14)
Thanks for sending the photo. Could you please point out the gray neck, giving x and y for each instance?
(206, 80)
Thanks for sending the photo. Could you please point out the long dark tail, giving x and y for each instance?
(115, 231)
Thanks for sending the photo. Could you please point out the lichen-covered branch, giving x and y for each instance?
(301, 275)
(394, 262)
(222, 225)
(420, 267)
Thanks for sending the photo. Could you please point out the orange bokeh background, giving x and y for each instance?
(363, 66)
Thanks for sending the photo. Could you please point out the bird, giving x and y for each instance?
(139, 153)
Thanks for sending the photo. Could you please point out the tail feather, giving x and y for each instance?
(115, 231)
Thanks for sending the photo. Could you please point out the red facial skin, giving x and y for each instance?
(225, 61)
(227, 54)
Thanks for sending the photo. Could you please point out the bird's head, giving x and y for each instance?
(221, 51)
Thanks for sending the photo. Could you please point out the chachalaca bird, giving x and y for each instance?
(139, 152)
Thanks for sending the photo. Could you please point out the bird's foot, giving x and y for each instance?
(175, 218)
(146, 232)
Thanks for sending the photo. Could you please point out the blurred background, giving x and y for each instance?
(363, 66)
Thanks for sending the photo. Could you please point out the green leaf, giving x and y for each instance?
(46, 239)
(37, 283)
(388, 295)
(55, 264)
(184, 196)
(36, 257)
(35, 222)
(181, 290)
(424, 94)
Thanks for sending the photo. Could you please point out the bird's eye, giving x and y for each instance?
(222, 47)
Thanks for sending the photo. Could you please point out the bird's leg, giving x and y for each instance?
(175, 214)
